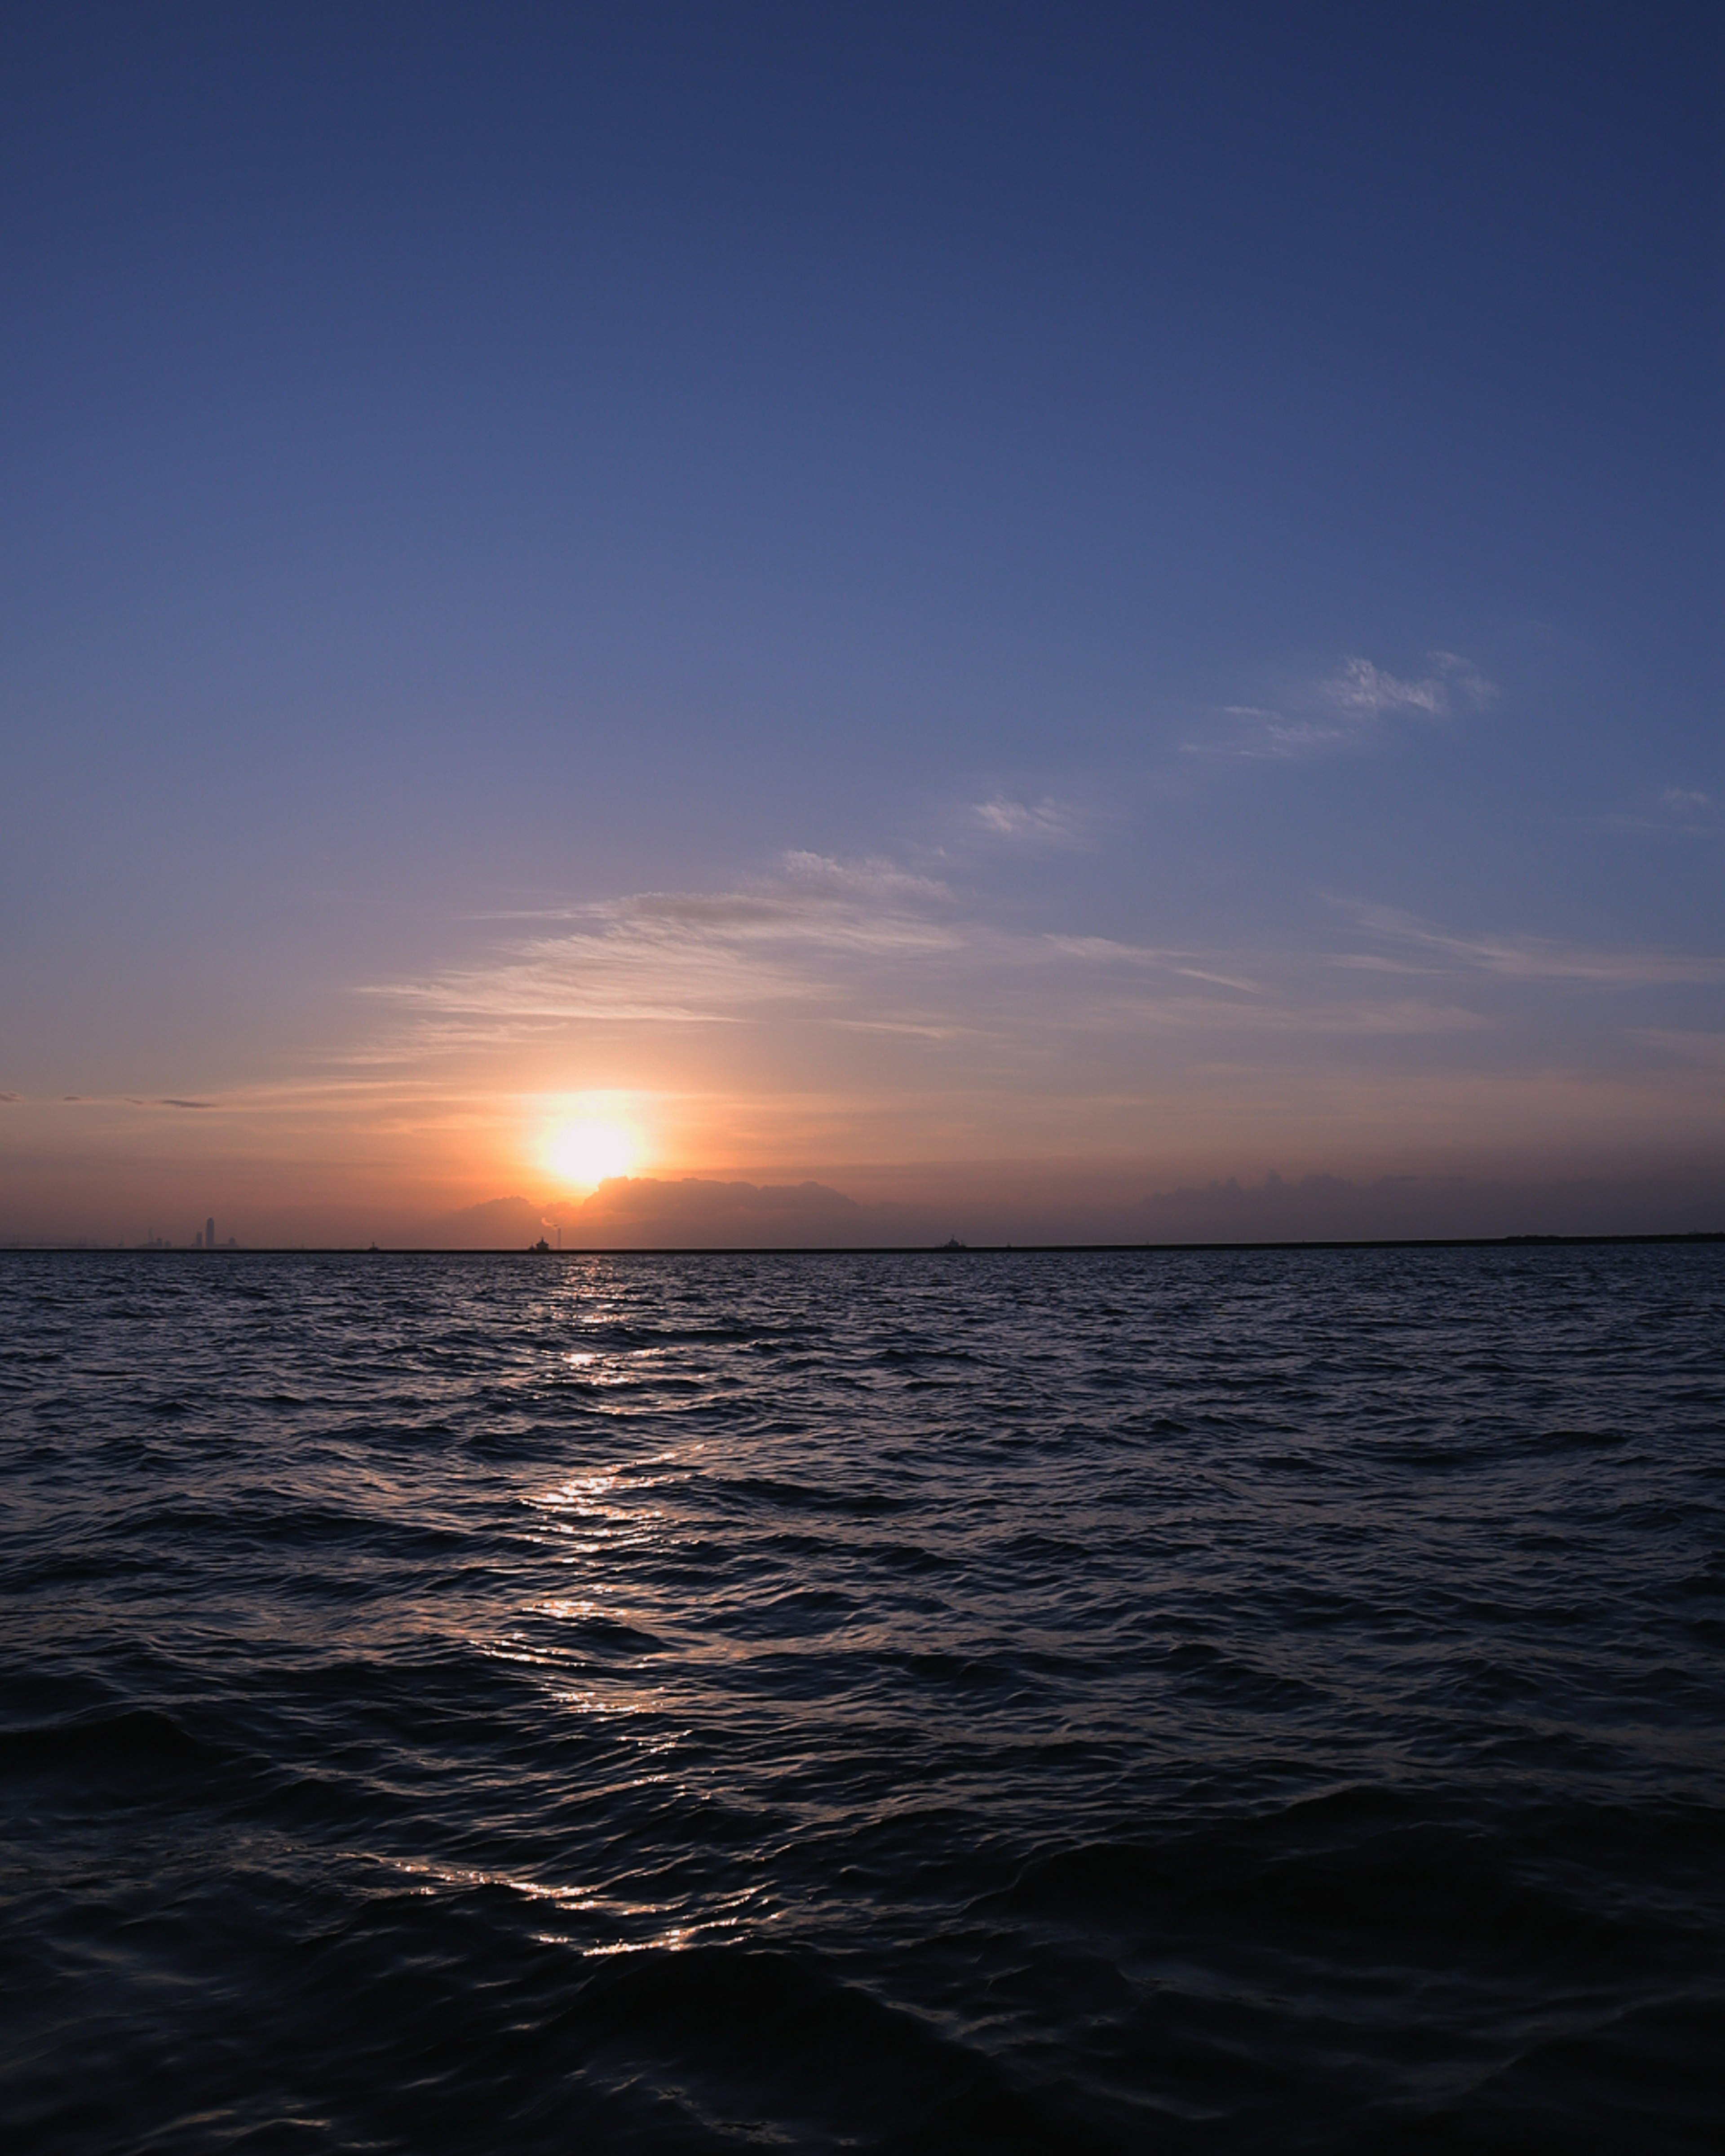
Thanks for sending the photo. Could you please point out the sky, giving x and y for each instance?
(1059, 621)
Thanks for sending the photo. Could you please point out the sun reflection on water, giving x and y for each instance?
(629, 1926)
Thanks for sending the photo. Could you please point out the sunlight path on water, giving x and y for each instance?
(1234, 1701)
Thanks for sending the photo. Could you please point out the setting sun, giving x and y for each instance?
(584, 1153)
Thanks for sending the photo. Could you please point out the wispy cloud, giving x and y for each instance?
(862, 947)
(838, 1010)
(1252, 734)
(867, 948)
(1361, 690)
(1044, 823)
(1673, 811)
(1344, 709)
(103, 1100)
(1427, 949)
(874, 878)
(802, 939)
(1463, 679)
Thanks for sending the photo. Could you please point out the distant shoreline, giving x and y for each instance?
(1695, 1236)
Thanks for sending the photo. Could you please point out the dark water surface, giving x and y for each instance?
(1202, 1702)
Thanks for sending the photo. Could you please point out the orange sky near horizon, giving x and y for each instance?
(871, 1029)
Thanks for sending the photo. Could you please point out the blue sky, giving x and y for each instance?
(1166, 560)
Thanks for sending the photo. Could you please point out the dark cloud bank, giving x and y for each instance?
(644, 1213)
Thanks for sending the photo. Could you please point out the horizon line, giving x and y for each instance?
(954, 1248)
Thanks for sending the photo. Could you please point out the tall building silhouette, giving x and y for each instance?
(209, 1233)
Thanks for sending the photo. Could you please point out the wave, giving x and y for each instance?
(134, 1740)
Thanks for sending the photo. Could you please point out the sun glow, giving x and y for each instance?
(583, 1153)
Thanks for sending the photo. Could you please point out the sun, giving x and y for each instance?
(586, 1152)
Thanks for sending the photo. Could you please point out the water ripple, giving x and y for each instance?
(1189, 1701)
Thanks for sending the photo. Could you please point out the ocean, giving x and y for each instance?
(1141, 1701)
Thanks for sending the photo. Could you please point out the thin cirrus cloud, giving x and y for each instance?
(1419, 947)
(856, 1011)
(1669, 812)
(858, 946)
(854, 946)
(1365, 691)
(1344, 709)
(811, 939)
(869, 946)
(1044, 823)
